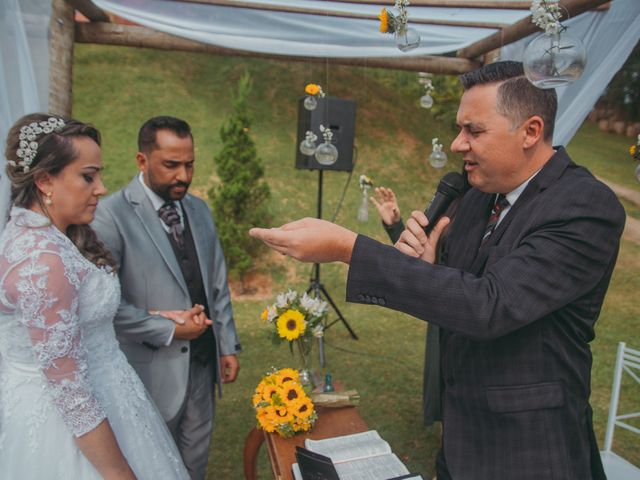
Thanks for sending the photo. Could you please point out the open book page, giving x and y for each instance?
(350, 447)
(372, 468)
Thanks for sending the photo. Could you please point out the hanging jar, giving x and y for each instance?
(308, 145)
(326, 153)
(406, 39)
(437, 158)
(555, 58)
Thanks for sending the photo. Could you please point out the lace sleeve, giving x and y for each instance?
(45, 295)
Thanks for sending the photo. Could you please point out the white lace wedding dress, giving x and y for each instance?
(61, 369)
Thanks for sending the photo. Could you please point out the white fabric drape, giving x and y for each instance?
(24, 71)
(284, 33)
(609, 38)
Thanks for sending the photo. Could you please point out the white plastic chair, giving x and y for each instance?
(616, 467)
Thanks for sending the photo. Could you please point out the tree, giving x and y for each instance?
(239, 200)
(623, 93)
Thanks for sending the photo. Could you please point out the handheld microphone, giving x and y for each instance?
(451, 186)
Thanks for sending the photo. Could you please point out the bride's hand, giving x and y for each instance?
(180, 317)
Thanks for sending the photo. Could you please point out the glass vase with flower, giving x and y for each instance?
(299, 321)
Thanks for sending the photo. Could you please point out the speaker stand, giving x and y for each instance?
(318, 289)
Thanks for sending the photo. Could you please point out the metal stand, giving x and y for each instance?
(317, 287)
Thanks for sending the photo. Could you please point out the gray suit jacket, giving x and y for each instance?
(151, 280)
(517, 317)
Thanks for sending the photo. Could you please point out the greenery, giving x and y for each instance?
(118, 88)
(623, 92)
(239, 200)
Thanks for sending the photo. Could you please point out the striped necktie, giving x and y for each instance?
(500, 205)
(171, 218)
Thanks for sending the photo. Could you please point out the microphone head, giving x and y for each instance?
(452, 184)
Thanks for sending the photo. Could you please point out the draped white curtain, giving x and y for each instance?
(24, 71)
(609, 38)
(609, 35)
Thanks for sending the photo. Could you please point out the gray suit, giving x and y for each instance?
(151, 279)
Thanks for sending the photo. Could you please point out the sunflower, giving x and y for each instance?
(632, 149)
(287, 375)
(283, 414)
(291, 324)
(264, 316)
(302, 407)
(384, 20)
(312, 89)
(291, 392)
(267, 419)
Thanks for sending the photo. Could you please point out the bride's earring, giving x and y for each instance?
(47, 199)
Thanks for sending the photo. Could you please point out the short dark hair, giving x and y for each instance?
(518, 99)
(148, 131)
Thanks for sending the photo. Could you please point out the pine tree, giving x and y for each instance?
(239, 201)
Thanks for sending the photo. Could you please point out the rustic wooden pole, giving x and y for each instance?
(61, 39)
(137, 36)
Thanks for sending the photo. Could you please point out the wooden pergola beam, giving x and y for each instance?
(497, 4)
(138, 36)
(523, 28)
(328, 12)
(89, 10)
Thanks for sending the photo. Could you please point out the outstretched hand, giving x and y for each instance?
(387, 205)
(413, 241)
(309, 240)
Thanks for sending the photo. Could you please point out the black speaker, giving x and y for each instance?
(340, 116)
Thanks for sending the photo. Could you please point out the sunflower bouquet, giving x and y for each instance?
(282, 405)
(634, 150)
(296, 319)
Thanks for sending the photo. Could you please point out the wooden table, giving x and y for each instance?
(331, 423)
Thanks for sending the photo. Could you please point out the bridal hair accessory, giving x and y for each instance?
(28, 148)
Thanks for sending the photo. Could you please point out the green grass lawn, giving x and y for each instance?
(118, 88)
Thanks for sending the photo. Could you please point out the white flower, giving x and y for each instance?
(318, 331)
(272, 313)
(315, 306)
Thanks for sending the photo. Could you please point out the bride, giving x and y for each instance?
(70, 404)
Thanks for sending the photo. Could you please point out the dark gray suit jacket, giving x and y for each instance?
(517, 317)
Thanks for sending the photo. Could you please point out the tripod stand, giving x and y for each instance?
(317, 287)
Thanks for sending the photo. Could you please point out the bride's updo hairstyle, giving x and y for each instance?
(40, 144)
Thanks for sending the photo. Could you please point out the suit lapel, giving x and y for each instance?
(547, 175)
(149, 219)
(200, 239)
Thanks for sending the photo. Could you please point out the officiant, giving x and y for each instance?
(524, 272)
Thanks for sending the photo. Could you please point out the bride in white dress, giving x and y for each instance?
(71, 407)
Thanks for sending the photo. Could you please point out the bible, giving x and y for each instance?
(360, 456)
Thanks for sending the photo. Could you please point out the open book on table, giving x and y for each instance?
(359, 456)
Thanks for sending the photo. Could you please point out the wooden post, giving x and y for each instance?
(138, 36)
(61, 39)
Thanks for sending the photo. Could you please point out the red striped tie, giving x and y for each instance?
(500, 205)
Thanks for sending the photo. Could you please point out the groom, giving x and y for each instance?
(170, 261)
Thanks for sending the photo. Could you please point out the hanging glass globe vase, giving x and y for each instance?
(326, 153)
(407, 39)
(308, 145)
(426, 101)
(554, 59)
(437, 158)
(310, 102)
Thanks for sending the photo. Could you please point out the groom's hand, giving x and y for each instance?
(195, 323)
(229, 368)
